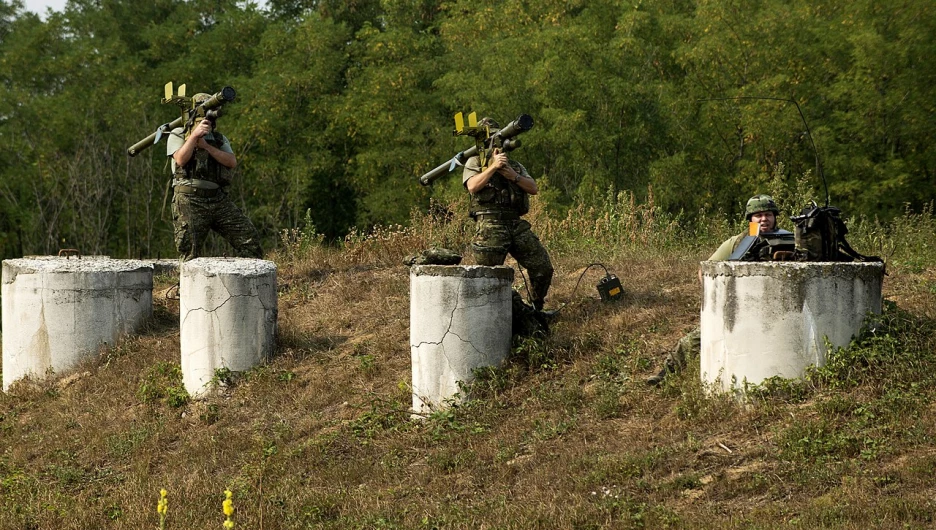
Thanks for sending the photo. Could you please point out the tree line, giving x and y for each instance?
(342, 104)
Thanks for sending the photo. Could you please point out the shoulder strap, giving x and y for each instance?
(847, 249)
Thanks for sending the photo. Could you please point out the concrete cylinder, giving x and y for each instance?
(58, 312)
(460, 319)
(766, 319)
(227, 317)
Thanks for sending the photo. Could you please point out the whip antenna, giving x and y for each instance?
(825, 185)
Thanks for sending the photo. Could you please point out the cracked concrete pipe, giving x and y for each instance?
(227, 314)
(460, 320)
(766, 319)
(60, 311)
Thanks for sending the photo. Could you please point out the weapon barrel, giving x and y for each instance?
(226, 95)
(443, 169)
(135, 149)
(520, 125)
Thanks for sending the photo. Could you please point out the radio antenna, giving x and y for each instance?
(825, 185)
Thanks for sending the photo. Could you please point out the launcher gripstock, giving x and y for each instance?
(209, 108)
(485, 142)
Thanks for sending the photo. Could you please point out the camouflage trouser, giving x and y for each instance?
(193, 217)
(688, 349)
(495, 238)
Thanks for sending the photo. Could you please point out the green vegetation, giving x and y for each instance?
(566, 434)
(342, 105)
(163, 383)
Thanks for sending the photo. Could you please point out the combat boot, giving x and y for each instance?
(669, 367)
(545, 319)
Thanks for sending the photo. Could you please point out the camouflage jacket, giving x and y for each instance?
(202, 166)
(500, 194)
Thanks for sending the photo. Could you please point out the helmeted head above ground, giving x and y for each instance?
(763, 210)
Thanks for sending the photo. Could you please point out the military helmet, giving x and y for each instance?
(760, 203)
(488, 122)
(201, 97)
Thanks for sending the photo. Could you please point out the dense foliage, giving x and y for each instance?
(343, 104)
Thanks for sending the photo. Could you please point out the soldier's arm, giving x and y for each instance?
(522, 178)
(197, 140)
(184, 153)
(477, 182)
(723, 251)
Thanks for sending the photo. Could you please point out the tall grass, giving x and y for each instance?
(908, 241)
(619, 226)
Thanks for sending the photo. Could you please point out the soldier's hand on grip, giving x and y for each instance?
(499, 160)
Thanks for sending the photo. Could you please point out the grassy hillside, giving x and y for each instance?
(565, 435)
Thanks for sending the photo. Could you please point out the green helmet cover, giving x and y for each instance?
(488, 122)
(760, 203)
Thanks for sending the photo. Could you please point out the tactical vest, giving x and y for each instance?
(203, 166)
(500, 196)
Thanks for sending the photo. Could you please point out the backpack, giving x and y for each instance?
(820, 236)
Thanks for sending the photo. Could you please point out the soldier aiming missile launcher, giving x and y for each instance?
(192, 113)
(486, 140)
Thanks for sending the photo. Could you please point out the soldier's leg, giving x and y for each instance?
(490, 243)
(526, 321)
(687, 349)
(231, 224)
(531, 255)
(190, 227)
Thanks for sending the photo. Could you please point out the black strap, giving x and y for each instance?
(747, 242)
(847, 249)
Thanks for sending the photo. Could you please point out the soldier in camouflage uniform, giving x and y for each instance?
(760, 209)
(500, 195)
(201, 171)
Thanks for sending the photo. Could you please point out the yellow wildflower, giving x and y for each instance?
(228, 504)
(228, 507)
(162, 507)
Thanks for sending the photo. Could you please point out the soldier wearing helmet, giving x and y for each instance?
(202, 164)
(760, 209)
(500, 195)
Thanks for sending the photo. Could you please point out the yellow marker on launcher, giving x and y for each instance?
(753, 229)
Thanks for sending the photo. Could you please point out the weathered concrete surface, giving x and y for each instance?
(766, 319)
(227, 313)
(164, 266)
(59, 311)
(460, 320)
